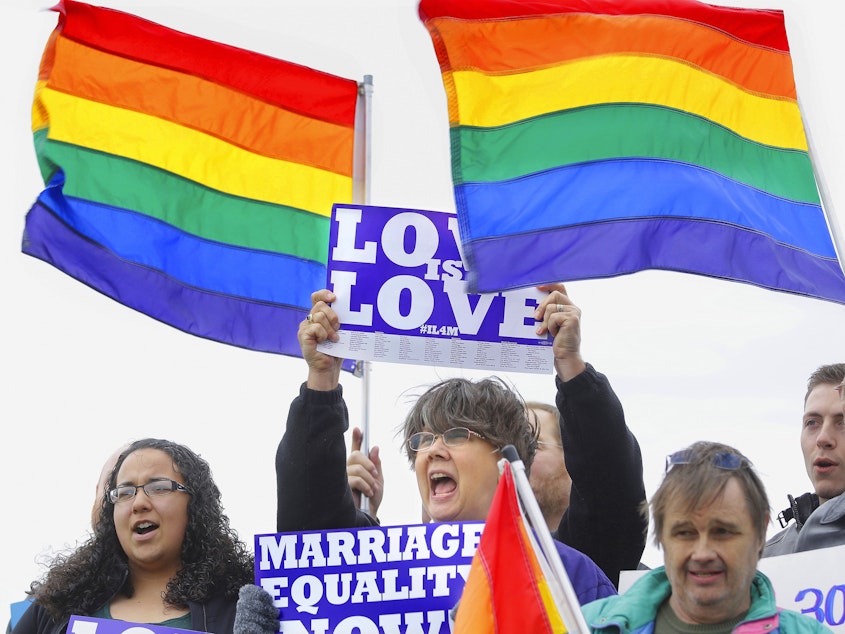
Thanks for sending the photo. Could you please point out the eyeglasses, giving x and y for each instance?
(153, 488)
(722, 460)
(455, 437)
(841, 389)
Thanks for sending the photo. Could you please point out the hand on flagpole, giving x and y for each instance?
(321, 325)
(562, 319)
(364, 474)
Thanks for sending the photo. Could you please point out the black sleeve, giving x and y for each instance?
(311, 486)
(604, 461)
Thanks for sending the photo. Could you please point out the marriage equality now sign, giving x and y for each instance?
(401, 297)
(379, 580)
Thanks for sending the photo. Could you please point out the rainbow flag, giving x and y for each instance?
(595, 138)
(187, 179)
(506, 589)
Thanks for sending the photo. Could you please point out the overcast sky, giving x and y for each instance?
(691, 358)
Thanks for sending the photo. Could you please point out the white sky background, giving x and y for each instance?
(691, 358)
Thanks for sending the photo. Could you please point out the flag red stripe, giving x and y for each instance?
(297, 88)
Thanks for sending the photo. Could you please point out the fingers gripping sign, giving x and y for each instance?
(320, 325)
(561, 318)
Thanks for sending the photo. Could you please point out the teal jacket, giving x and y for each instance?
(634, 612)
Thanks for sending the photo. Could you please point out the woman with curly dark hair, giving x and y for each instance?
(162, 551)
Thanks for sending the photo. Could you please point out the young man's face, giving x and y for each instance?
(711, 557)
(823, 441)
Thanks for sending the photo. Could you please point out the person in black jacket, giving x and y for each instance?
(588, 477)
(453, 436)
(161, 552)
(603, 459)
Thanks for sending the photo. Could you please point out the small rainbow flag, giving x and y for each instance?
(190, 180)
(506, 589)
(596, 138)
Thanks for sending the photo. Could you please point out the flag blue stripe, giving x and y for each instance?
(620, 247)
(633, 188)
(204, 264)
(253, 325)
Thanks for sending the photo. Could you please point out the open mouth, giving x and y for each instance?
(145, 527)
(441, 484)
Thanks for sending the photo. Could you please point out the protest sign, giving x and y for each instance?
(90, 625)
(379, 580)
(401, 297)
(811, 583)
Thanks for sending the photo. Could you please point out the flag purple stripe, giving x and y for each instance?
(672, 244)
(248, 324)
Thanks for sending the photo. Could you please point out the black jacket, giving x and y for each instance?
(309, 496)
(313, 490)
(606, 466)
(602, 457)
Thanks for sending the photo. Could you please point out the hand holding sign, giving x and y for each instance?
(562, 319)
(321, 325)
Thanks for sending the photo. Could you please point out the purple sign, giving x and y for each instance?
(379, 579)
(90, 625)
(401, 296)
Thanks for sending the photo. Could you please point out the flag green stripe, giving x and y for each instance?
(189, 206)
(612, 131)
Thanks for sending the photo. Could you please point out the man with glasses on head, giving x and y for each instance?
(710, 516)
(453, 439)
(819, 515)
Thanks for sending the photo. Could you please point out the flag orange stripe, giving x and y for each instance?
(503, 46)
(760, 26)
(476, 605)
(201, 105)
(504, 590)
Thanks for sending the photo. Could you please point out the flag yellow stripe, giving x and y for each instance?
(194, 155)
(233, 116)
(490, 100)
(552, 611)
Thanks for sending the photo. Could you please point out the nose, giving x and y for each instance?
(141, 501)
(703, 550)
(827, 437)
(438, 447)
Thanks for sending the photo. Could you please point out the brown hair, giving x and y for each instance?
(832, 374)
(488, 407)
(699, 480)
(539, 406)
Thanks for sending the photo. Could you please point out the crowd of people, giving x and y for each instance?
(161, 550)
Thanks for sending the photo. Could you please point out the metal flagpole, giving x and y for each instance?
(361, 195)
(559, 583)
